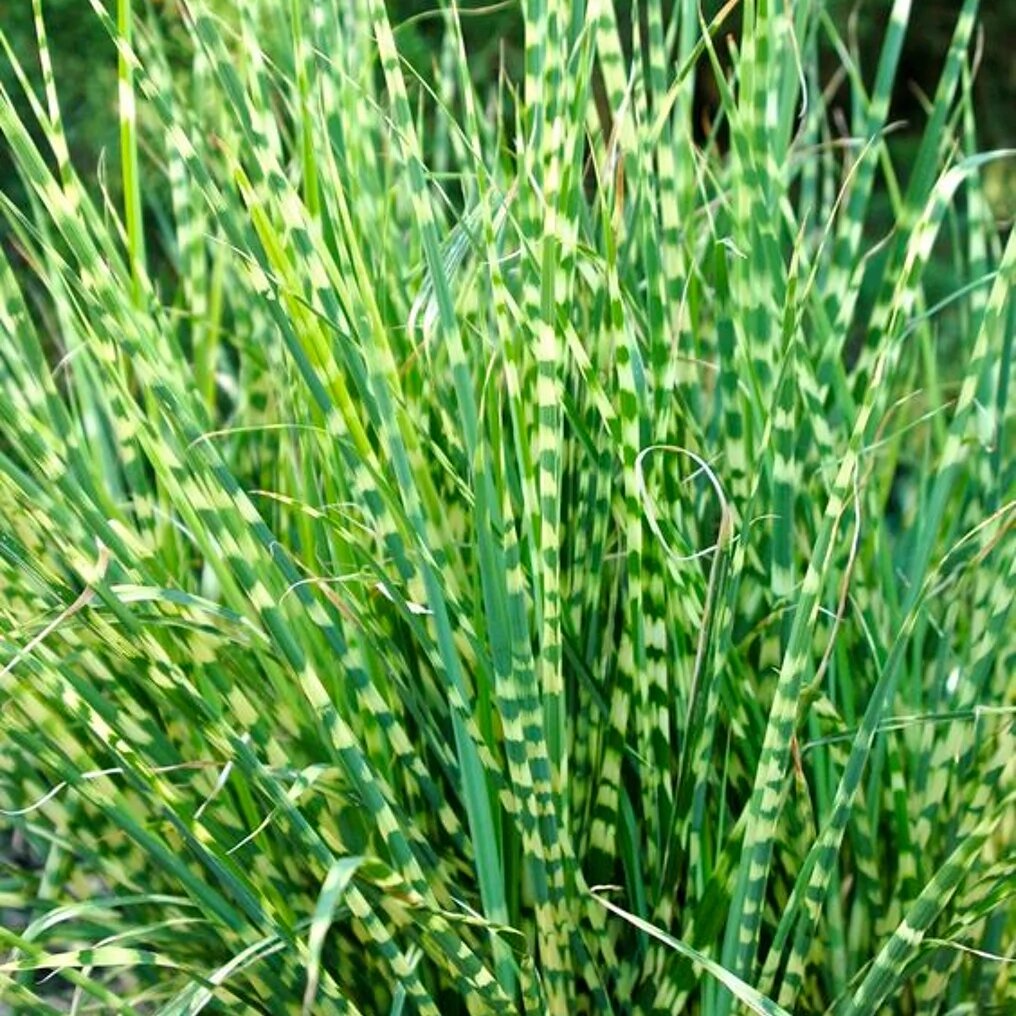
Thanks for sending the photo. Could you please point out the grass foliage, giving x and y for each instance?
(521, 550)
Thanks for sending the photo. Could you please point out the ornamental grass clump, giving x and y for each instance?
(529, 545)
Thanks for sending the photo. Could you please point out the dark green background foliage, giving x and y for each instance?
(85, 66)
